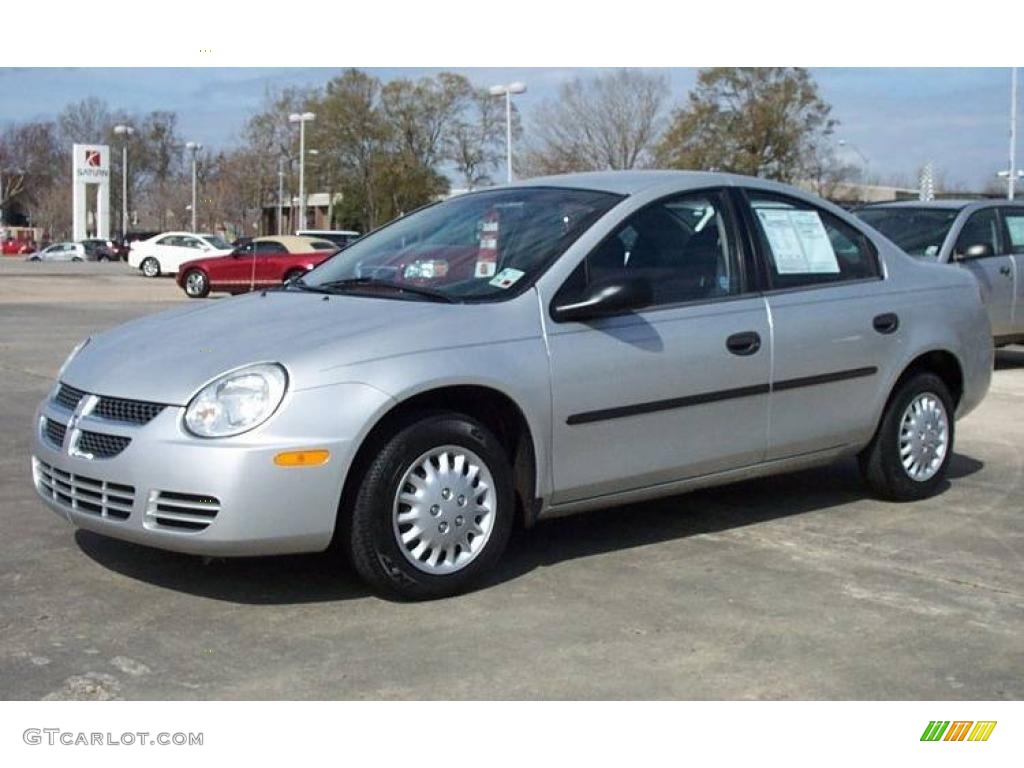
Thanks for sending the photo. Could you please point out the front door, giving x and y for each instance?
(993, 268)
(676, 390)
(1013, 221)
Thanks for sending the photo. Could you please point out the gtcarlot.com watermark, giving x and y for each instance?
(55, 736)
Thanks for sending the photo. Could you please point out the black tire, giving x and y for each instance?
(292, 274)
(880, 463)
(374, 547)
(196, 284)
(150, 267)
(77, 258)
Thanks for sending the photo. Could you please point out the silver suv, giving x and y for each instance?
(516, 353)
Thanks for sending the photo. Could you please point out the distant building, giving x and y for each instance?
(319, 213)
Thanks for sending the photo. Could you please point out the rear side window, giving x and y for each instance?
(806, 245)
(1014, 218)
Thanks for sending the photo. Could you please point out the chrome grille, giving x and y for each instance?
(84, 494)
(130, 411)
(68, 397)
(54, 432)
(180, 511)
(101, 446)
(110, 408)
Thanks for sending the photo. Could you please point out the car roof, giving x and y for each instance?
(940, 205)
(632, 182)
(294, 243)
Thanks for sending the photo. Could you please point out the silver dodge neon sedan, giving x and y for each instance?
(549, 347)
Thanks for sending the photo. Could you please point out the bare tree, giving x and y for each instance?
(608, 121)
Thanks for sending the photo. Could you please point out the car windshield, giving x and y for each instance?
(475, 246)
(217, 242)
(918, 231)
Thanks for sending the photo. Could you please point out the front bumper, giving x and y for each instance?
(220, 497)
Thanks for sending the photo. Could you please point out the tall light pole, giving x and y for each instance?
(1011, 179)
(507, 91)
(863, 158)
(302, 119)
(280, 192)
(194, 148)
(126, 131)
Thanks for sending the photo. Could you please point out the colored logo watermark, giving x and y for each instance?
(958, 730)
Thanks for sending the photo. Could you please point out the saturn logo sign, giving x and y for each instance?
(92, 158)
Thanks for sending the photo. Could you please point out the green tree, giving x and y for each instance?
(759, 121)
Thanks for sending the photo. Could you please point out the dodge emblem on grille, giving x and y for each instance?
(84, 408)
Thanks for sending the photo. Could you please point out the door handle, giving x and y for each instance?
(1004, 270)
(746, 343)
(886, 323)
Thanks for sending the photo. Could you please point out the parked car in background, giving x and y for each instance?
(340, 237)
(60, 252)
(99, 250)
(263, 262)
(13, 246)
(122, 244)
(164, 253)
(532, 350)
(984, 237)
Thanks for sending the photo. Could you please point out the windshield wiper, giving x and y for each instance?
(334, 286)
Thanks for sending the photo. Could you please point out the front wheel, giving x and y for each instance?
(908, 457)
(435, 508)
(150, 267)
(197, 284)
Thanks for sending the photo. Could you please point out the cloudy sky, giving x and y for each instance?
(898, 119)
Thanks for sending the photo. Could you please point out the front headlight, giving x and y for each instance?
(74, 352)
(237, 401)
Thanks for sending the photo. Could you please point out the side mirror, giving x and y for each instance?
(609, 297)
(977, 251)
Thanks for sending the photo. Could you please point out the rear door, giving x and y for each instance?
(672, 391)
(1013, 225)
(993, 270)
(835, 327)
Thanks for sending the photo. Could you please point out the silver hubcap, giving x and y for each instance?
(444, 510)
(924, 437)
(194, 283)
(149, 268)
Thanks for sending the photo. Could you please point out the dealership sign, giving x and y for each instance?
(91, 167)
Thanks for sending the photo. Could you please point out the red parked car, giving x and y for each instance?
(261, 263)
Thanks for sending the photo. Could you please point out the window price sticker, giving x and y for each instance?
(799, 242)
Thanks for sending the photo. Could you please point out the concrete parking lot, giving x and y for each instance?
(796, 587)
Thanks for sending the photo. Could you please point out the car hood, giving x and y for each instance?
(167, 357)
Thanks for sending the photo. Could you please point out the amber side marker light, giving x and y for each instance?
(302, 458)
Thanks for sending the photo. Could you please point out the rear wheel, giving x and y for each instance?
(150, 267)
(434, 511)
(292, 274)
(908, 457)
(197, 284)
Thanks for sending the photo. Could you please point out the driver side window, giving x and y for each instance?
(981, 229)
(682, 247)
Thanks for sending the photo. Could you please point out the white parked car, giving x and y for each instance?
(59, 252)
(164, 253)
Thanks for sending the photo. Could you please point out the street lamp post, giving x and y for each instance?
(1012, 176)
(863, 158)
(507, 91)
(280, 193)
(126, 131)
(302, 119)
(194, 148)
